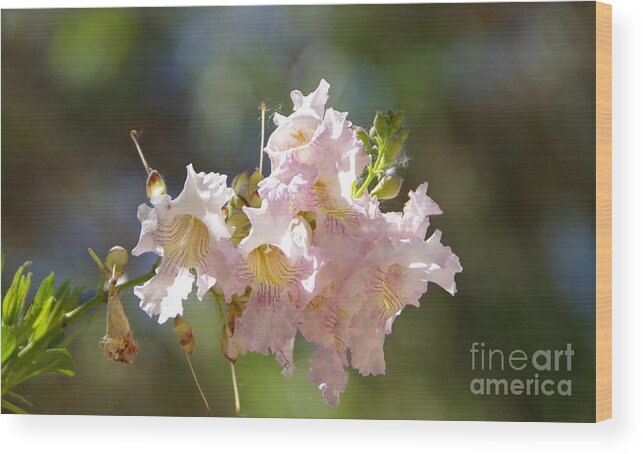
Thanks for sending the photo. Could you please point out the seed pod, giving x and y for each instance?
(183, 333)
(117, 257)
(119, 341)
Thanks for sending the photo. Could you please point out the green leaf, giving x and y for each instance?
(11, 407)
(38, 314)
(54, 360)
(19, 398)
(45, 318)
(44, 293)
(8, 342)
(14, 299)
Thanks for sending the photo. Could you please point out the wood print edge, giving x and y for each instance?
(603, 211)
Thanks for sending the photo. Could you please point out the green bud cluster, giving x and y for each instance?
(246, 194)
(384, 142)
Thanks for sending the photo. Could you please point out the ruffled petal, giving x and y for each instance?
(163, 295)
(269, 325)
(444, 265)
(315, 101)
(298, 191)
(269, 224)
(230, 269)
(203, 196)
(415, 220)
(149, 224)
(336, 147)
(366, 342)
(328, 374)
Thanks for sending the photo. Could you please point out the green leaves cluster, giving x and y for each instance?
(246, 193)
(33, 341)
(384, 142)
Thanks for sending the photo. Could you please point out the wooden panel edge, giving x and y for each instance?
(603, 211)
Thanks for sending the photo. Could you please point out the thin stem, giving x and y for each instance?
(133, 133)
(262, 107)
(205, 401)
(71, 316)
(237, 403)
(374, 170)
(98, 261)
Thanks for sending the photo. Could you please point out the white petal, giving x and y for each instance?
(203, 196)
(417, 210)
(445, 264)
(149, 224)
(269, 223)
(315, 101)
(163, 295)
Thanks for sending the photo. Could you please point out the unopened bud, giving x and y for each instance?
(255, 200)
(117, 257)
(239, 182)
(381, 124)
(395, 145)
(388, 187)
(239, 220)
(155, 185)
(254, 180)
(183, 333)
(362, 135)
(398, 120)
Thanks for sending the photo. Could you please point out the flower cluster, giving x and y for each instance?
(306, 249)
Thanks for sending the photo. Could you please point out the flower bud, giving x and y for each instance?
(395, 145)
(117, 257)
(239, 182)
(236, 203)
(155, 185)
(253, 181)
(398, 120)
(254, 200)
(388, 187)
(183, 333)
(381, 124)
(362, 135)
(239, 220)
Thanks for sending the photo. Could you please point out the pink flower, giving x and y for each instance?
(394, 275)
(413, 222)
(186, 231)
(276, 263)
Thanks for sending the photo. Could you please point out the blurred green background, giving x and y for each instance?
(500, 103)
